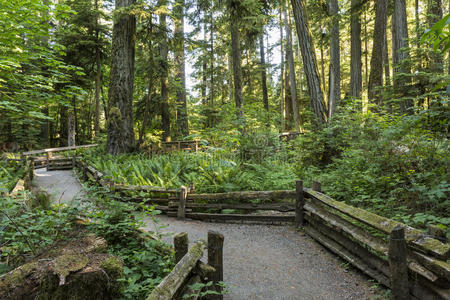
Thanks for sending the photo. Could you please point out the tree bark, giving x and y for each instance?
(98, 75)
(151, 71)
(120, 124)
(309, 62)
(376, 63)
(263, 73)
(291, 65)
(180, 77)
(434, 14)
(335, 59)
(164, 52)
(355, 57)
(282, 90)
(237, 71)
(401, 54)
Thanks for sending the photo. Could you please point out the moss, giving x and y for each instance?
(65, 264)
(113, 266)
(17, 276)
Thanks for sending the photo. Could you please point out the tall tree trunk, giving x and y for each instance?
(335, 59)
(291, 65)
(151, 71)
(387, 73)
(264, 74)
(98, 75)
(401, 54)
(434, 14)
(180, 77)
(211, 75)
(205, 65)
(120, 123)
(376, 63)
(282, 91)
(355, 56)
(164, 52)
(309, 62)
(366, 53)
(237, 72)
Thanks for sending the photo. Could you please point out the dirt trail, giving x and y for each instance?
(260, 262)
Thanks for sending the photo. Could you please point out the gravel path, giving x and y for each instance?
(275, 263)
(62, 186)
(260, 262)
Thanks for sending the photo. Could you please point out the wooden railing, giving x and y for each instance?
(189, 270)
(52, 150)
(382, 248)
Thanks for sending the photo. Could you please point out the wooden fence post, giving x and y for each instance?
(31, 168)
(181, 245)
(299, 203)
(316, 186)
(398, 264)
(182, 204)
(215, 260)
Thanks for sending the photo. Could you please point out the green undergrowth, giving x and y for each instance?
(396, 166)
(27, 229)
(212, 171)
(146, 260)
(10, 173)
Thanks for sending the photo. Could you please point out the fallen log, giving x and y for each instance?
(76, 268)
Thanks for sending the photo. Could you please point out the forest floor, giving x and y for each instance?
(261, 262)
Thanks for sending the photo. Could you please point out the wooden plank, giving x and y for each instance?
(18, 188)
(283, 207)
(415, 238)
(236, 217)
(144, 188)
(58, 168)
(346, 255)
(172, 282)
(439, 267)
(340, 224)
(244, 196)
(58, 149)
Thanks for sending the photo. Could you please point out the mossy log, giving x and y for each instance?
(169, 287)
(414, 237)
(244, 196)
(50, 150)
(73, 271)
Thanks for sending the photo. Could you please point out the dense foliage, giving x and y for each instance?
(29, 227)
(211, 171)
(10, 173)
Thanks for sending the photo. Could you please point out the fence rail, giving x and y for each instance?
(380, 247)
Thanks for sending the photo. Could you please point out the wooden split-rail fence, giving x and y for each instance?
(190, 271)
(414, 264)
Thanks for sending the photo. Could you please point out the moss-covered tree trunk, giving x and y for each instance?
(120, 123)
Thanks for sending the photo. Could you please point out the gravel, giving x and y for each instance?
(62, 186)
(275, 262)
(260, 262)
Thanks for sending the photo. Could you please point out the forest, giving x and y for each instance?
(351, 93)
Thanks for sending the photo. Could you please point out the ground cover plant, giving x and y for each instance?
(211, 171)
(28, 228)
(10, 173)
(395, 166)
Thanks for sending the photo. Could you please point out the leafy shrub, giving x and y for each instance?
(393, 166)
